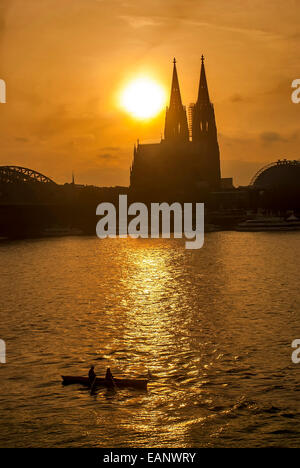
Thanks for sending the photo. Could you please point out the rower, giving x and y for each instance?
(109, 375)
(92, 374)
(110, 378)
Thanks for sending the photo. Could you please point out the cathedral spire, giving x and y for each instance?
(176, 127)
(204, 129)
(203, 95)
(175, 99)
(203, 116)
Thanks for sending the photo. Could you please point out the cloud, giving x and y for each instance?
(22, 139)
(236, 98)
(140, 21)
(105, 156)
(271, 137)
(111, 148)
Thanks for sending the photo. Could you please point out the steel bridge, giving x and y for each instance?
(277, 164)
(17, 174)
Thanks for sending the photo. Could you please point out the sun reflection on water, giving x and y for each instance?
(213, 327)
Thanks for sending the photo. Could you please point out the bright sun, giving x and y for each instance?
(143, 98)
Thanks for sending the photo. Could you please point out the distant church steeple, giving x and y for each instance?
(176, 127)
(203, 120)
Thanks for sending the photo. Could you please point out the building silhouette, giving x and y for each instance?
(186, 162)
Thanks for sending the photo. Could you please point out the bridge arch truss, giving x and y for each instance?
(18, 174)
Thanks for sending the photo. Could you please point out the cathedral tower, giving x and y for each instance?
(204, 129)
(180, 167)
(176, 126)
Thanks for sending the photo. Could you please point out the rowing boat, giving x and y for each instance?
(121, 383)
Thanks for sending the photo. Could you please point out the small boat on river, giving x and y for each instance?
(140, 384)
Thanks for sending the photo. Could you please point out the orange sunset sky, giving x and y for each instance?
(65, 61)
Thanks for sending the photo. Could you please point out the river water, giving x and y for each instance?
(213, 327)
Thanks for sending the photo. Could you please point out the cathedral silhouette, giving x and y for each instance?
(186, 162)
